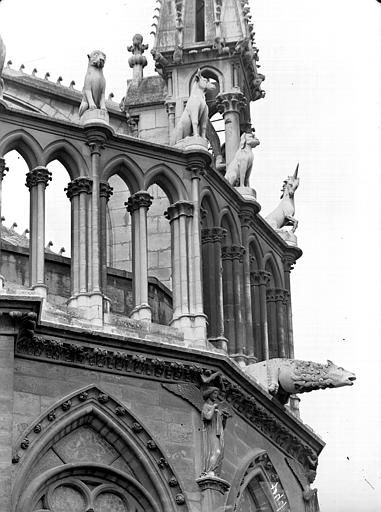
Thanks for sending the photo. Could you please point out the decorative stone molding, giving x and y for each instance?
(213, 483)
(233, 101)
(38, 175)
(178, 209)
(196, 164)
(139, 200)
(137, 49)
(260, 278)
(78, 186)
(40, 348)
(105, 190)
(213, 235)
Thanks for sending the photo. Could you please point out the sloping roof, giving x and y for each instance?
(150, 89)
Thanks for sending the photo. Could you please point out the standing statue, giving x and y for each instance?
(239, 169)
(2, 60)
(283, 214)
(93, 92)
(214, 421)
(194, 119)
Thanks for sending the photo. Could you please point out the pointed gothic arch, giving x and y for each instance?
(127, 169)
(167, 180)
(257, 486)
(28, 147)
(89, 433)
(68, 156)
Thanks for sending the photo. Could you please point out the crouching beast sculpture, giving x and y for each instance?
(194, 118)
(93, 93)
(285, 377)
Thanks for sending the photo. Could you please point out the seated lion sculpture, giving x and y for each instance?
(93, 96)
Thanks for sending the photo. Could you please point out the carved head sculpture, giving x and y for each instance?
(338, 377)
(210, 392)
(97, 59)
(249, 139)
(290, 184)
(202, 82)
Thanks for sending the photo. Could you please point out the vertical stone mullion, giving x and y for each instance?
(230, 105)
(3, 170)
(105, 192)
(74, 270)
(280, 322)
(37, 180)
(239, 312)
(260, 280)
(228, 294)
(245, 218)
(95, 148)
(138, 205)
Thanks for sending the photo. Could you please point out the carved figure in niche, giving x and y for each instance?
(194, 119)
(239, 169)
(286, 377)
(93, 92)
(2, 60)
(283, 214)
(214, 414)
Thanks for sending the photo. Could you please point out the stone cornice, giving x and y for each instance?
(139, 200)
(278, 426)
(38, 175)
(78, 186)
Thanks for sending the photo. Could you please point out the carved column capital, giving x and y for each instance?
(78, 185)
(260, 278)
(141, 199)
(280, 295)
(105, 190)
(3, 168)
(212, 235)
(234, 252)
(246, 216)
(270, 295)
(178, 209)
(233, 101)
(38, 175)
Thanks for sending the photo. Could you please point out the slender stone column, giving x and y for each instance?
(78, 191)
(3, 171)
(272, 322)
(105, 192)
(230, 105)
(288, 265)
(37, 180)
(261, 279)
(238, 253)
(212, 284)
(246, 217)
(280, 298)
(228, 298)
(171, 111)
(137, 206)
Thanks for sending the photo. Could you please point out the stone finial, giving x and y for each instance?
(34, 71)
(110, 96)
(21, 68)
(137, 61)
(62, 250)
(47, 75)
(72, 84)
(25, 232)
(50, 244)
(14, 225)
(59, 80)
(9, 64)
(2, 60)
(93, 92)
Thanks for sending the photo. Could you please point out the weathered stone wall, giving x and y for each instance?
(173, 423)
(57, 275)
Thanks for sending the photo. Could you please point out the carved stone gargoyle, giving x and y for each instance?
(285, 377)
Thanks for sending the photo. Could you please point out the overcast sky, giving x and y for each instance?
(322, 109)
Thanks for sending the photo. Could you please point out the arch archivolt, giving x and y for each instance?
(128, 170)
(68, 155)
(270, 264)
(90, 433)
(228, 221)
(25, 144)
(209, 203)
(168, 180)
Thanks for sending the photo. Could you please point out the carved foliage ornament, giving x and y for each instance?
(38, 175)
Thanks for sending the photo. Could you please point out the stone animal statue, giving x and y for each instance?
(93, 92)
(285, 377)
(239, 169)
(283, 214)
(194, 119)
(2, 60)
